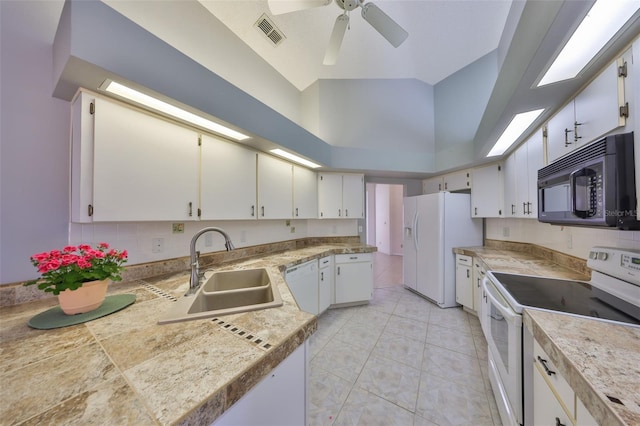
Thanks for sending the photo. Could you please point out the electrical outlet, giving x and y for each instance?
(157, 245)
(287, 222)
(208, 240)
(293, 229)
(178, 228)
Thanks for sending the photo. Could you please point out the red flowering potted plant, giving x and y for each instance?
(79, 276)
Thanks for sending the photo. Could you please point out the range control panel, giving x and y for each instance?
(620, 263)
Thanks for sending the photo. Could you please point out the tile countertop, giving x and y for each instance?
(598, 359)
(126, 369)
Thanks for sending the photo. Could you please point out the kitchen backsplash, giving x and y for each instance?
(572, 240)
(153, 241)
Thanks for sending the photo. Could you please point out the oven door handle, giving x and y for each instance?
(508, 313)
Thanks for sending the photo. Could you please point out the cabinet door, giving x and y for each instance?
(432, 185)
(281, 398)
(275, 188)
(325, 285)
(82, 124)
(305, 193)
(522, 181)
(330, 195)
(510, 197)
(353, 196)
(560, 133)
(546, 407)
(354, 281)
(457, 181)
(228, 180)
(486, 196)
(145, 168)
(464, 285)
(535, 161)
(598, 106)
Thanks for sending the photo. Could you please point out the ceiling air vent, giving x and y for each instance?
(268, 28)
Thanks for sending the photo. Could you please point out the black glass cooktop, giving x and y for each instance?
(573, 297)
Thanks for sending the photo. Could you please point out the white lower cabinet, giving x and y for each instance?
(464, 281)
(354, 277)
(279, 399)
(554, 401)
(326, 287)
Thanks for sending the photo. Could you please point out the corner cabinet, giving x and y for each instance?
(486, 195)
(228, 180)
(118, 169)
(340, 196)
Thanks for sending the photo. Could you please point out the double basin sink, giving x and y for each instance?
(226, 292)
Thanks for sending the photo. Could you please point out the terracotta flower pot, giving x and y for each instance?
(85, 299)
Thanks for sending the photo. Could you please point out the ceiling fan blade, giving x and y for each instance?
(386, 26)
(278, 7)
(339, 28)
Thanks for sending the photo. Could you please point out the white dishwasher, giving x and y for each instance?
(303, 282)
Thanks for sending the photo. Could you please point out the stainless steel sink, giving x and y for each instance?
(224, 293)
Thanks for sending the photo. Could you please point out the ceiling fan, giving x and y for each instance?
(371, 13)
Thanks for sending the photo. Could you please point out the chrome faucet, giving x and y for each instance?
(194, 256)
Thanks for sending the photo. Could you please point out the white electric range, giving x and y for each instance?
(612, 294)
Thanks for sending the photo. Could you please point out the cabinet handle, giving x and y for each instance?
(546, 369)
(339, 212)
(296, 212)
(353, 257)
(524, 208)
(338, 270)
(321, 276)
(475, 211)
(528, 207)
(575, 131)
(262, 211)
(190, 209)
(513, 209)
(467, 273)
(559, 423)
(566, 137)
(253, 211)
(446, 184)
(478, 282)
(346, 212)
(439, 187)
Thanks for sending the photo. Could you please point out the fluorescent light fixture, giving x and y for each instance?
(603, 21)
(518, 125)
(295, 158)
(174, 111)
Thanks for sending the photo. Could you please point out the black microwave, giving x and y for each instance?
(592, 186)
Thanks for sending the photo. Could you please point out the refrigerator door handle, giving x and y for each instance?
(415, 231)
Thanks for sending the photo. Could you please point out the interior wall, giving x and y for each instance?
(573, 240)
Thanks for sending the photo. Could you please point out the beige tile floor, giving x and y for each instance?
(400, 360)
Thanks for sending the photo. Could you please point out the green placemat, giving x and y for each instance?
(55, 318)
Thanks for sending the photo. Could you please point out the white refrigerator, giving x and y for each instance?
(433, 225)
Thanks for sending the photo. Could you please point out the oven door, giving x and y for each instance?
(503, 330)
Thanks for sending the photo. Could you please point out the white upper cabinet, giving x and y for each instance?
(521, 178)
(432, 185)
(228, 180)
(275, 188)
(353, 195)
(596, 111)
(305, 193)
(486, 196)
(535, 161)
(455, 181)
(340, 196)
(144, 168)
